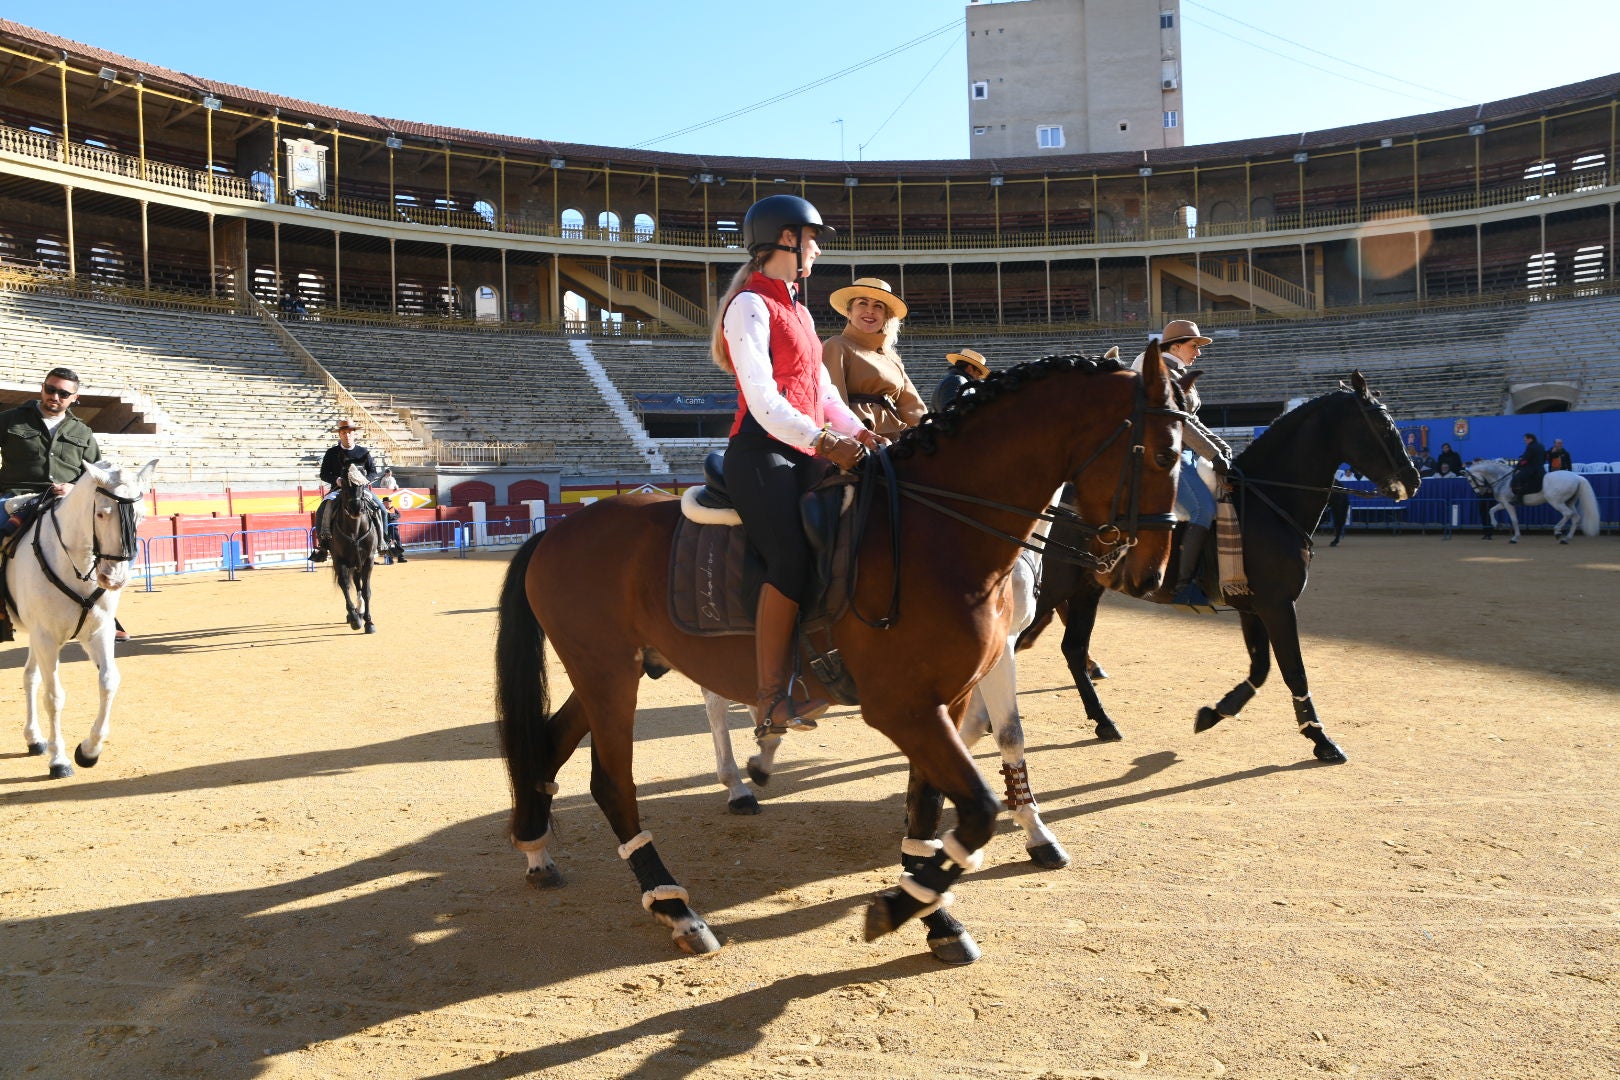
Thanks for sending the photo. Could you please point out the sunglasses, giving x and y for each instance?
(58, 391)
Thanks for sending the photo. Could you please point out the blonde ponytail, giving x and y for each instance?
(717, 332)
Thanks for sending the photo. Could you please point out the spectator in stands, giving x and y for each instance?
(1423, 463)
(1531, 467)
(1558, 457)
(788, 415)
(1181, 345)
(866, 370)
(392, 548)
(334, 467)
(386, 481)
(1449, 463)
(43, 448)
(967, 368)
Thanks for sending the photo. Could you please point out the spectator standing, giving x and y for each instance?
(1449, 463)
(386, 481)
(866, 369)
(392, 547)
(967, 369)
(1558, 457)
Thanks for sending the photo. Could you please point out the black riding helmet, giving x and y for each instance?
(767, 218)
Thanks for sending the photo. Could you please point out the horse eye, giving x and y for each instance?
(1166, 458)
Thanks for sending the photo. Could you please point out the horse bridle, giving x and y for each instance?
(127, 537)
(1118, 536)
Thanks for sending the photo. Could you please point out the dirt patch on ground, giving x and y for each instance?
(291, 860)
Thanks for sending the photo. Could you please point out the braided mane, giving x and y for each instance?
(924, 438)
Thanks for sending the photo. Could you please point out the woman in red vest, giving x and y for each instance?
(788, 415)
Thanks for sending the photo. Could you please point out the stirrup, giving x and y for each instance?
(794, 722)
(1193, 597)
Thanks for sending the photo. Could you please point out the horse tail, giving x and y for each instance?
(1591, 517)
(522, 697)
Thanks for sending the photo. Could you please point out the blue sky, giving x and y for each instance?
(627, 73)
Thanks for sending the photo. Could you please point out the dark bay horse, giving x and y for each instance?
(1282, 483)
(929, 616)
(355, 543)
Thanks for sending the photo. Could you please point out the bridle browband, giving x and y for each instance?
(127, 538)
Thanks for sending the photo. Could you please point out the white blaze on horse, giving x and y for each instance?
(63, 584)
(1568, 493)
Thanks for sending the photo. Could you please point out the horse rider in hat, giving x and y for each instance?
(866, 369)
(967, 369)
(789, 415)
(1180, 345)
(334, 468)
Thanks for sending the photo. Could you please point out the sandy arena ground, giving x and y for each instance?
(291, 861)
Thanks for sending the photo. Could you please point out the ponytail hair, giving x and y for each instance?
(717, 332)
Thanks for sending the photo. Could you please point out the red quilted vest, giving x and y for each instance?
(795, 351)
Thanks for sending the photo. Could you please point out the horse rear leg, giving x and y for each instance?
(1283, 626)
(613, 713)
(1078, 626)
(46, 657)
(100, 647)
(32, 735)
(740, 800)
(1258, 644)
(532, 831)
(996, 696)
(363, 586)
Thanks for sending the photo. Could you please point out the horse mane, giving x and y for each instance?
(924, 438)
(1288, 424)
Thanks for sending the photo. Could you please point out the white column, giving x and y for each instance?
(479, 529)
(537, 514)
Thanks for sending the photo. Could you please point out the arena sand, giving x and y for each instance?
(292, 863)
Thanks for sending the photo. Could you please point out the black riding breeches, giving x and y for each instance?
(765, 478)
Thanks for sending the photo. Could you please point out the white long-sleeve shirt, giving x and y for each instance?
(748, 337)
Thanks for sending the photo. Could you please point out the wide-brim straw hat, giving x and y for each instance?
(1182, 330)
(876, 289)
(970, 359)
(347, 425)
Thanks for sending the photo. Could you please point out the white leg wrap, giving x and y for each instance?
(634, 844)
(664, 892)
(925, 848)
(548, 788)
(931, 900)
(540, 843)
(968, 861)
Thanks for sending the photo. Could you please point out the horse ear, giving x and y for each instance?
(1189, 378)
(1153, 374)
(99, 470)
(1358, 383)
(144, 478)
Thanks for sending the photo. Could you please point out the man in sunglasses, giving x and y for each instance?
(43, 447)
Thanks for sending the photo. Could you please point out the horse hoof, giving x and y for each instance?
(1513, 539)
(698, 941)
(1561, 540)
(544, 877)
(956, 951)
(35, 749)
(758, 775)
(370, 629)
(1049, 856)
(879, 919)
(1107, 732)
(83, 759)
(61, 771)
(1207, 718)
(354, 622)
(1096, 673)
(1327, 750)
(743, 804)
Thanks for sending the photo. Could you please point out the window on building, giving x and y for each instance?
(1049, 136)
(608, 222)
(1539, 172)
(264, 184)
(980, 130)
(981, 91)
(1588, 170)
(1541, 271)
(644, 226)
(1172, 118)
(486, 210)
(1587, 268)
(573, 224)
(1167, 20)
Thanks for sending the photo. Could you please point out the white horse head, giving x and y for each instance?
(119, 501)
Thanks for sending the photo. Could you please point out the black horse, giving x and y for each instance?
(356, 538)
(1281, 483)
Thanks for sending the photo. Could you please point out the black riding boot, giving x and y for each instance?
(1188, 592)
(774, 623)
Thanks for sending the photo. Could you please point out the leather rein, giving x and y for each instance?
(127, 530)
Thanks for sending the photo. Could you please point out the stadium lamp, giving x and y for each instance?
(394, 142)
(852, 181)
(1145, 170)
(211, 102)
(559, 163)
(1301, 158)
(1386, 143)
(108, 74)
(996, 180)
(1476, 129)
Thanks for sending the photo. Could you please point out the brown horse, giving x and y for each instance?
(978, 476)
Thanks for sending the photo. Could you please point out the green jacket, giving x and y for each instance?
(32, 457)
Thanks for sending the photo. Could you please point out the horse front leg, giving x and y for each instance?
(613, 787)
(363, 586)
(1283, 626)
(948, 940)
(996, 696)
(739, 799)
(100, 647)
(1079, 623)
(940, 762)
(345, 585)
(1258, 645)
(1513, 520)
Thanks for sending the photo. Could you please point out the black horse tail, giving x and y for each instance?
(522, 698)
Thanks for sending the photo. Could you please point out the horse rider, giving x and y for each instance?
(334, 468)
(865, 367)
(1180, 345)
(43, 448)
(1530, 469)
(788, 415)
(967, 369)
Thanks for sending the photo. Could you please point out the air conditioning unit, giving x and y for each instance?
(1167, 84)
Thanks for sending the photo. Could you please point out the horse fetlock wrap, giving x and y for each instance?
(1237, 697)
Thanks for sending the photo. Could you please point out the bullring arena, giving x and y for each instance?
(292, 859)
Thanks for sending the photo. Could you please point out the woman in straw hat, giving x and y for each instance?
(788, 415)
(862, 361)
(1180, 346)
(967, 368)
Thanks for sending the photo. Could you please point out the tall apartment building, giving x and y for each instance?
(1073, 76)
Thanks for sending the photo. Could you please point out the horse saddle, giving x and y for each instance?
(715, 574)
(1526, 481)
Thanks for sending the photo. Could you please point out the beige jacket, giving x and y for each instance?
(863, 371)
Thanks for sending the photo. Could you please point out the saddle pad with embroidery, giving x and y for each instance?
(712, 592)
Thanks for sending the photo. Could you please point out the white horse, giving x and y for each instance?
(1569, 493)
(994, 708)
(63, 582)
